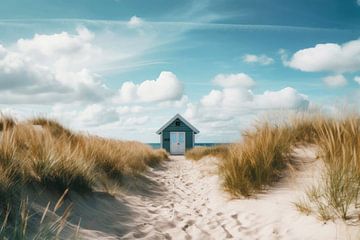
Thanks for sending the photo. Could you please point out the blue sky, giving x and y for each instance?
(122, 68)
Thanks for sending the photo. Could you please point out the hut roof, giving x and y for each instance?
(173, 119)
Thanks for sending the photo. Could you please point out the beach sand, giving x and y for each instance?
(183, 199)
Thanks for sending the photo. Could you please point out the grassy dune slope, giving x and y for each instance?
(41, 152)
(260, 158)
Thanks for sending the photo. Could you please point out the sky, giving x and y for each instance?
(122, 68)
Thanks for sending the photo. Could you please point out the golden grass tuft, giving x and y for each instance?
(44, 152)
(257, 161)
(6, 122)
(337, 194)
(35, 155)
(303, 206)
(55, 128)
(197, 153)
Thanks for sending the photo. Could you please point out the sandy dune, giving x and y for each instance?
(183, 200)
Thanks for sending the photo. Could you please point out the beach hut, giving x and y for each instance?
(177, 135)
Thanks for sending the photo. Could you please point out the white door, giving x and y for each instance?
(177, 142)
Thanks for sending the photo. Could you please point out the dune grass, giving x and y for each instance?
(337, 194)
(255, 162)
(42, 152)
(197, 153)
(258, 160)
(265, 152)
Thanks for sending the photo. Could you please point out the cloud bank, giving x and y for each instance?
(50, 68)
(235, 104)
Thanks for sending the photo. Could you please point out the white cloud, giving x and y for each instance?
(135, 22)
(232, 98)
(97, 114)
(165, 88)
(233, 80)
(122, 110)
(286, 98)
(261, 59)
(358, 2)
(182, 102)
(131, 121)
(58, 44)
(357, 78)
(237, 104)
(335, 80)
(227, 97)
(50, 68)
(227, 111)
(330, 57)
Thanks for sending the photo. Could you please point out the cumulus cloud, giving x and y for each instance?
(261, 59)
(97, 114)
(230, 110)
(228, 97)
(235, 103)
(233, 80)
(50, 68)
(330, 57)
(286, 98)
(165, 88)
(358, 2)
(335, 80)
(232, 98)
(135, 22)
(58, 44)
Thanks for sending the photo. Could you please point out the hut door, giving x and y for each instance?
(177, 142)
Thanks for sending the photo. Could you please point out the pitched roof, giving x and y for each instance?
(173, 119)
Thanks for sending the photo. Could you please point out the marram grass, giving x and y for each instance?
(42, 152)
(259, 159)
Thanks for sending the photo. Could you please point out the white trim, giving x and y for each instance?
(182, 119)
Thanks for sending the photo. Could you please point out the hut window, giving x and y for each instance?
(177, 123)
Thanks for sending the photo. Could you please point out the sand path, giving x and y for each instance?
(184, 200)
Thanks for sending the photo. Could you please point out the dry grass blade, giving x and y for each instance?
(61, 200)
(44, 213)
(63, 218)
